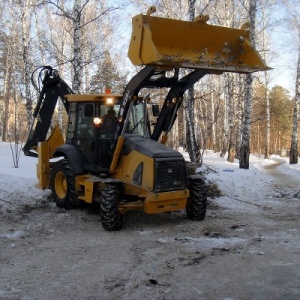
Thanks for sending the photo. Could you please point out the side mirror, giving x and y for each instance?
(155, 110)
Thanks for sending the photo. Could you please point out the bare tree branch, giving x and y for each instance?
(64, 13)
(100, 15)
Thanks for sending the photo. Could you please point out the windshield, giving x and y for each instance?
(137, 123)
(105, 109)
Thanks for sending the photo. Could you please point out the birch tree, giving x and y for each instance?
(229, 14)
(24, 10)
(231, 118)
(212, 128)
(75, 15)
(192, 145)
(267, 100)
(268, 119)
(267, 9)
(58, 46)
(294, 141)
(245, 143)
(16, 59)
(6, 94)
(239, 115)
(224, 137)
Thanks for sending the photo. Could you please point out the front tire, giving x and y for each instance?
(110, 216)
(197, 201)
(62, 183)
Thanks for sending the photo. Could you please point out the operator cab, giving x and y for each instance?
(92, 123)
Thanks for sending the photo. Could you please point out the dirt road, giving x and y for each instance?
(243, 250)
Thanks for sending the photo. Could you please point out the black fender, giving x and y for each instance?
(73, 155)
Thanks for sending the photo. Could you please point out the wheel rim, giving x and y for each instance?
(61, 185)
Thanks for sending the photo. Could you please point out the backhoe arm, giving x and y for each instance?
(53, 87)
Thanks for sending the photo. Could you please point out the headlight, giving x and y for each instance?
(109, 101)
(97, 121)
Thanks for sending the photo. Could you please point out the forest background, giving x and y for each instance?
(87, 41)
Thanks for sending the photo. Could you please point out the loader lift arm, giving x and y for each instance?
(150, 77)
(53, 87)
(197, 46)
(173, 101)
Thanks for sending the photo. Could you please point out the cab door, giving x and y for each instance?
(85, 134)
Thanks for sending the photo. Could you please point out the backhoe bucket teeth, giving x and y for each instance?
(174, 43)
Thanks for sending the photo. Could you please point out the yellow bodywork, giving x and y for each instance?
(43, 166)
(45, 152)
(151, 202)
(166, 201)
(158, 202)
(92, 97)
(124, 169)
(174, 43)
(117, 154)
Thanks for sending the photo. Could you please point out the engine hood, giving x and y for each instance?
(149, 147)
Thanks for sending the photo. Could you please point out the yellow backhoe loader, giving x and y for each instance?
(110, 154)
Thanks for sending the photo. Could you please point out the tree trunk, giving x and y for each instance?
(41, 46)
(239, 116)
(181, 130)
(267, 100)
(245, 144)
(26, 15)
(192, 146)
(231, 121)
(213, 125)
(268, 125)
(225, 128)
(77, 62)
(6, 96)
(294, 142)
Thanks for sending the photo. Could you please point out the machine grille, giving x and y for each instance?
(169, 175)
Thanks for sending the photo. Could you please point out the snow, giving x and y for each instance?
(239, 187)
(250, 235)
(248, 190)
(17, 185)
(27, 164)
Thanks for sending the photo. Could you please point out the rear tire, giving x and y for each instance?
(197, 201)
(62, 183)
(110, 216)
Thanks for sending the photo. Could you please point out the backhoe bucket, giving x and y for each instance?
(173, 43)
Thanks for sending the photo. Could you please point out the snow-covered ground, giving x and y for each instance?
(255, 185)
(241, 190)
(17, 185)
(231, 180)
(248, 246)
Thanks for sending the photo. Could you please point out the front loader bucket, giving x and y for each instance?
(173, 43)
